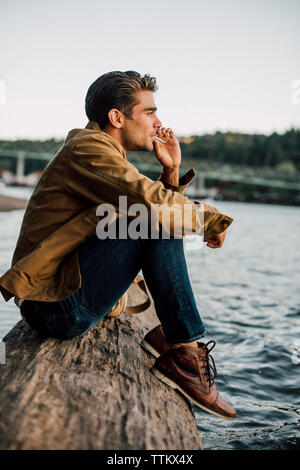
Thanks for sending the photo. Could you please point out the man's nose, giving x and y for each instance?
(158, 124)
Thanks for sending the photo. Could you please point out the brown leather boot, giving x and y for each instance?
(189, 370)
(155, 341)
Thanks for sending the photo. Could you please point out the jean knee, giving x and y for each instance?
(78, 322)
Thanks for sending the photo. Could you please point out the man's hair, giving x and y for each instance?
(115, 90)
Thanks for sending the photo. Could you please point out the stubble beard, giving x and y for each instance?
(143, 145)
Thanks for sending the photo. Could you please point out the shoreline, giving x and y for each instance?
(10, 203)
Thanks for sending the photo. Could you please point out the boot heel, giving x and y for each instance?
(149, 348)
(162, 377)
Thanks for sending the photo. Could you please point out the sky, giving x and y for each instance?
(226, 65)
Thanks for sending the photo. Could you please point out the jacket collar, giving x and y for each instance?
(93, 125)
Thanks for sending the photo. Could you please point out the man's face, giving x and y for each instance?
(139, 131)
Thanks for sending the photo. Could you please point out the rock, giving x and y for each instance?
(91, 392)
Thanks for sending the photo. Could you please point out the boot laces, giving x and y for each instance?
(210, 367)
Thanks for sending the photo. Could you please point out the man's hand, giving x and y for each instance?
(168, 154)
(216, 241)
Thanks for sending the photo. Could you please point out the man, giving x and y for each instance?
(65, 278)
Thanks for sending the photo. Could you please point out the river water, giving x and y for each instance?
(248, 294)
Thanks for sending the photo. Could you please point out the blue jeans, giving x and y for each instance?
(108, 268)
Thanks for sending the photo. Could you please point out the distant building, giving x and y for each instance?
(186, 140)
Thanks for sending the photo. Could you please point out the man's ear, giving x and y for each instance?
(116, 118)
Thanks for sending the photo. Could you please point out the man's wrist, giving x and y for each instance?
(171, 175)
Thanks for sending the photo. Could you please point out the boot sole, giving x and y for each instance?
(174, 385)
(147, 347)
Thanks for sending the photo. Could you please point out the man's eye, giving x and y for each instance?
(151, 112)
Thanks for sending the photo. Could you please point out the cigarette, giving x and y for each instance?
(158, 138)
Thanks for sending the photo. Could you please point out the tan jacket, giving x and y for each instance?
(91, 168)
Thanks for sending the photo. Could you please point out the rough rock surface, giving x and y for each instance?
(91, 392)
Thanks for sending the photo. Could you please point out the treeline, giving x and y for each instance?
(47, 146)
(280, 151)
(251, 150)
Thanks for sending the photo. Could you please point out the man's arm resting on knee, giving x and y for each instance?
(96, 170)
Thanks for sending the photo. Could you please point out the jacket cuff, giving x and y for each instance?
(184, 181)
(214, 221)
(219, 226)
(6, 294)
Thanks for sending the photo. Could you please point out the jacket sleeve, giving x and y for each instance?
(184, 181)
(97, 171)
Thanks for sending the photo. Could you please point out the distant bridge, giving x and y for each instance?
(197, 187)
(218, 175)
(21, 155)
